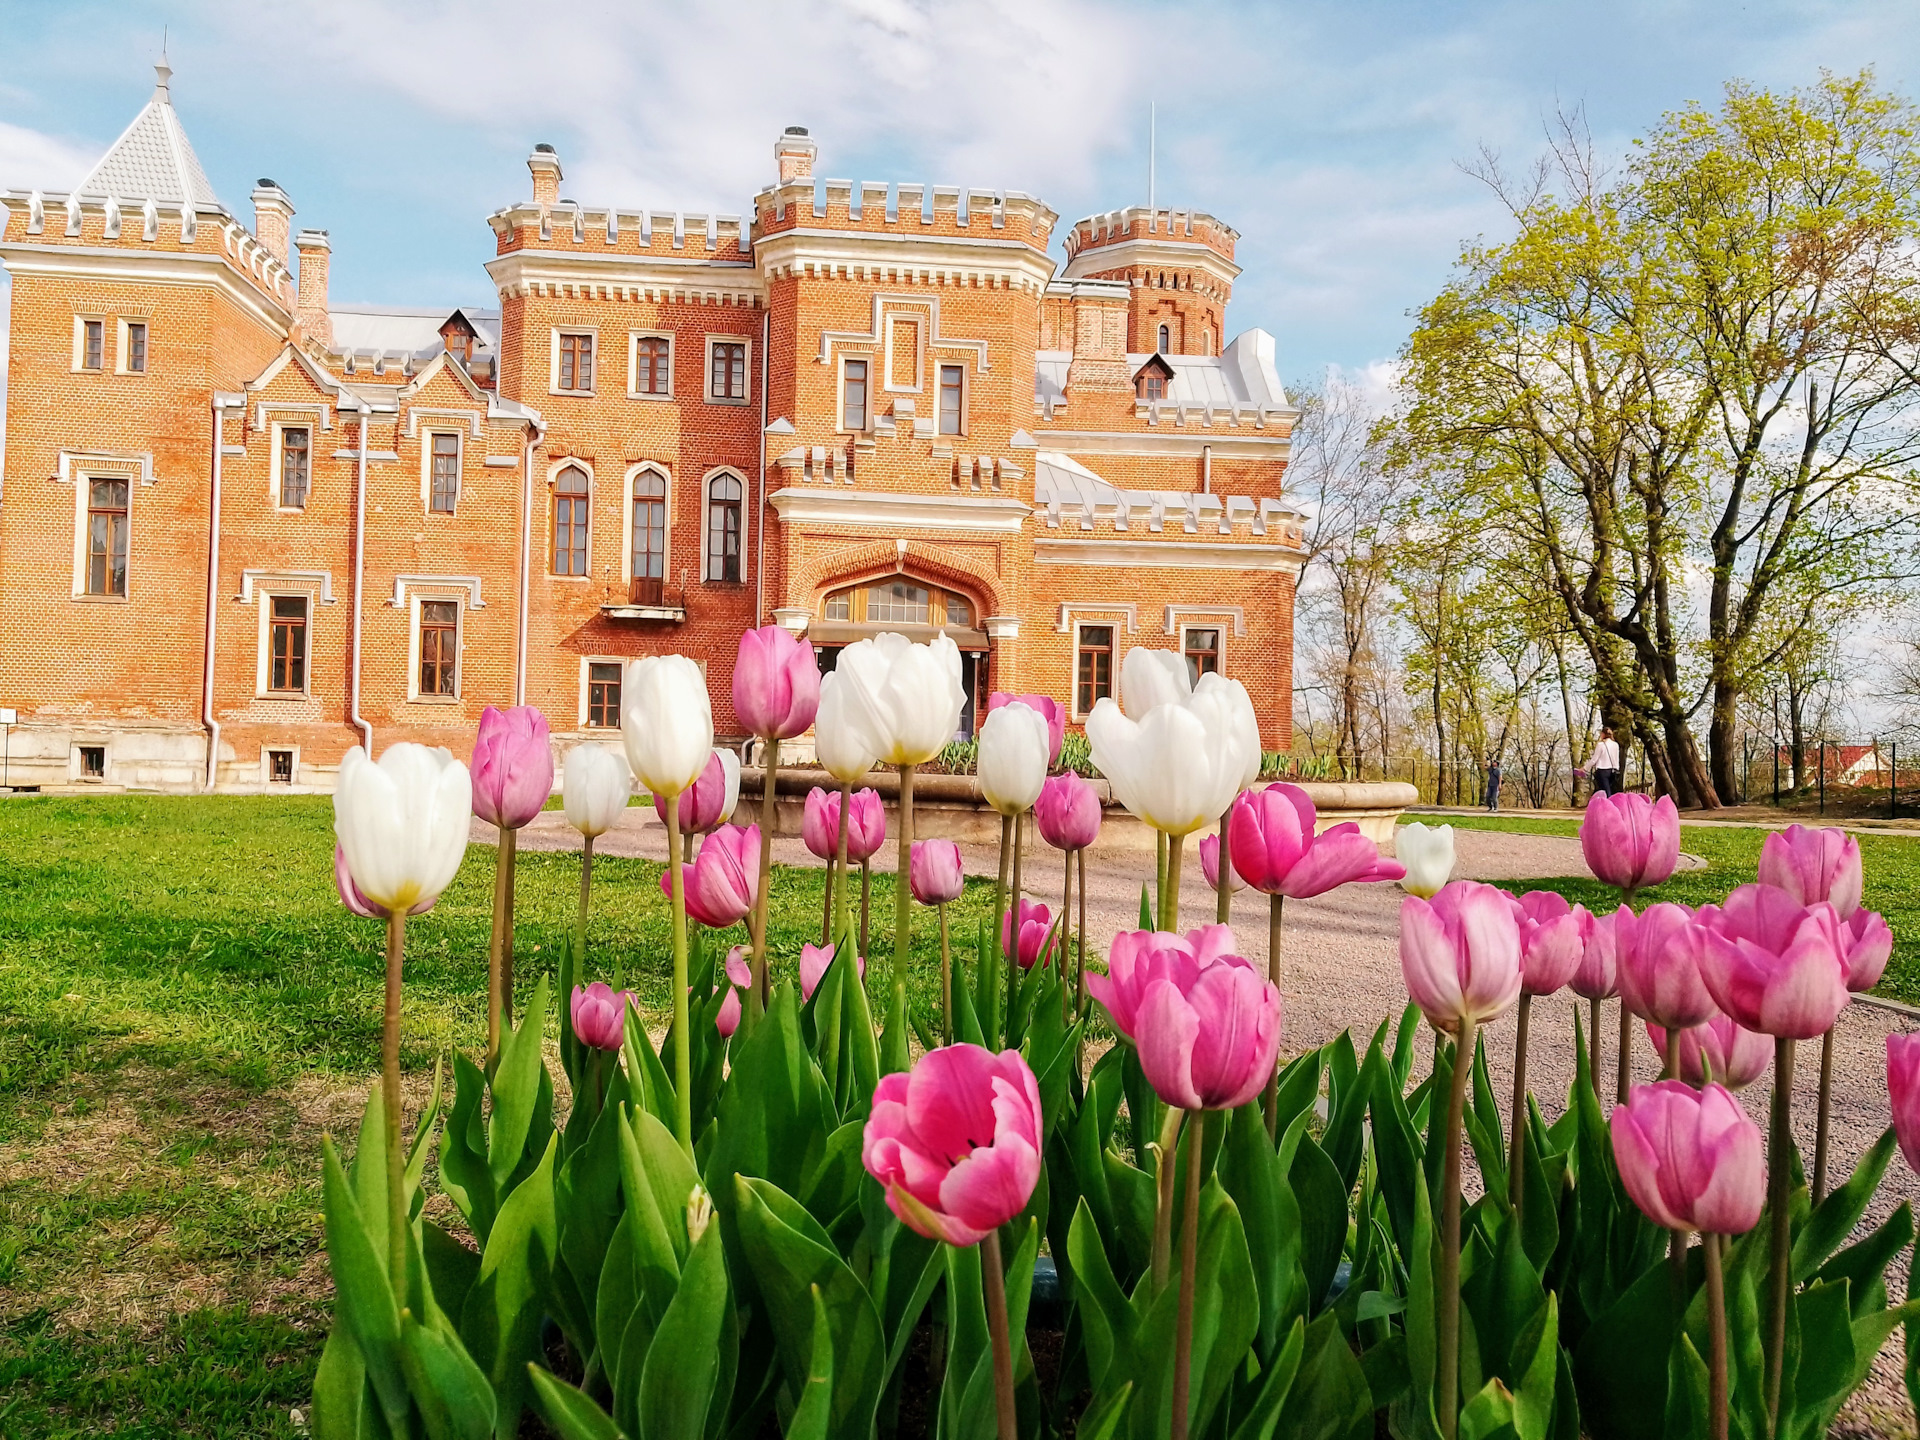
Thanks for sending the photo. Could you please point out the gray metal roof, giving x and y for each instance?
(405, 329)
(1243, 374)
(152, 159)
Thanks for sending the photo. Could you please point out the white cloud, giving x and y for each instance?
(32, 159)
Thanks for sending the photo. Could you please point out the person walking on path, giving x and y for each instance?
(1493, 783)
(1605, 764)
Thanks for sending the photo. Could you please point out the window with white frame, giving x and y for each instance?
(573, 362)
(296, 466)
(853, 394)
(437, 649)
(725, 502)
(649, 540)
(603, 694)
(1201, 646)
(133, 347)
(286, 658)
(953, 399)
(652, 365)
(105, 534)
(571, 493)
(443, 472)
(1092, 666)
(89, 343)
(727, 369)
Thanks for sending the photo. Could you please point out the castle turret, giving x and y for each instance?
(1179, 264)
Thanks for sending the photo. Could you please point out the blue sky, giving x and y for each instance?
(1329, 134)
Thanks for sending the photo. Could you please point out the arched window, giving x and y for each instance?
(1166, 340)
(570, 522)
(723, 528)
(649, 525)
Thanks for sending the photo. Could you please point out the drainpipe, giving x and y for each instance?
(213, 599)
(526, 540)
(760, 537)
(359, 573)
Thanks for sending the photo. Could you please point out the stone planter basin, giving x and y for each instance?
(949, 806)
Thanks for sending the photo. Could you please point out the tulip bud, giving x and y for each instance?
(709, 802)
(1048, 708)
(1460, 954)
(1210, 866)
(512, 766)
(1597, 977)
(351, 897)
(1012, 763)
(814, 960)
(1036, 931)
(1775, 965)
(724, 877)
(1903, 1090)
(1067, 812)
(838, 744)
(699, 1213)
(1553, 940)
(402, 823)
(1270, 833)
(600, 1015)
(905, 699)
(1208, 1036)
(1244, 724)
(668, 725)
(1868, 944)
(1718, 1050)
(1658, 955)
(934, 872)
(1176, 769)
(1630, 841)
(1813, 865)
(596, 787)
(1152, 677)
(1690, 1159)
(776, 683)
(1137, 958)
(1427, 853)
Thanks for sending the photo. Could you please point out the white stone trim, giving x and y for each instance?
(172, 267)
(412, 604)
(1226, 446)
(706, 369)
(266, 747)
(1179, 616)
(1168, 554)
(634, 471)
(1068, 609)
(634, 337)
(805, 504)
(290, 581)
(426, 469)
(880, 338)
(469, 583)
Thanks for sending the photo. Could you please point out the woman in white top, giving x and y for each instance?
(1605, 765)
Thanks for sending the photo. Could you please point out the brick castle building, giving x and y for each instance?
(244, 527)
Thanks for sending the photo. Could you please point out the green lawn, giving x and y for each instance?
(184, 1006)
(1892, 864)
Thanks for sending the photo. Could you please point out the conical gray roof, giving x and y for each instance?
(152, 159)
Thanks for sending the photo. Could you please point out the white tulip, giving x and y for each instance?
(1015, 748)
(1152, 677)
(1178, 768)
(403, 822)
(838, 744)
(1427, 852)
(904, 698)
(596, 786)
(668, 724)
(730, 768)
(1246, 723)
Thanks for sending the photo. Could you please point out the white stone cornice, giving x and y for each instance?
(1169, 554)
(1229, 445)
(1014, 260)
(802, 504)
(320, 579)
(469, 583)
(194, 268)
(523, 270)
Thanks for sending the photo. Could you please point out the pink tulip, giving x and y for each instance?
(1690, 1159)
(1718, 1050)
(1138, 957)
(1048, 709)
(1903, 1091)
(1630, 841)
(1868, 945)
(1814, 864)
(728, 1020)
(724, 877)
(1775, 965)
(866, 824)
(1553, 940)
(814, 960)
(512, 766)
(1659, 958)
(600, 1015)
(704, 805)
(776, 683)
(1597, 977)
(955, 1142)
(1210, 865)
(1271, 840)
(1208, 1037)
(1036, 923)
(820, 824)
(934, 873)
(1460, 954)
(351, 897)
(739, 976)
(1067, 812)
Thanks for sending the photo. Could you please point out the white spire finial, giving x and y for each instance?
(162, 72)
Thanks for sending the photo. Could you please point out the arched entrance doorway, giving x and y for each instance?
(918, 609)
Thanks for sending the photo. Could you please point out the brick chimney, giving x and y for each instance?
(795, 152)
(311, 309)
(273, 220)
(1099, 338)
(545, 165)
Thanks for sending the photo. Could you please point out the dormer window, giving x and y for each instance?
(1150, 380)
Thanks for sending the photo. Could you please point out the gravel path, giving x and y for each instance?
(1342, 970)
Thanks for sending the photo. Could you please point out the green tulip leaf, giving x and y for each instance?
(455, 1400)
(1864, 1263)
(500, 1321)
(1836, 1217)
(341, 1395)
(814, 1413)
(588, 1205)
(683, 1366)
(451, 1267)
(1328, 1399)
(464, 1173)
(1323, 1216)
(647, 1078)
(516, 1090)
(1107, 1317)
(569, 1413)
(1249, 1167)
(1488, 1415)
(775, 1113)
(365, 1295)
(1276, 1384)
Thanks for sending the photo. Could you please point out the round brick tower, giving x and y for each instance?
(1179, 264)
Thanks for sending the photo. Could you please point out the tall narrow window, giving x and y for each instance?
(576, 363)
(296, 475)
(1166, 339)
(287, 660)
(728, 377)
(603, 695)
(439, 645)
(570, 522)
(1093, 667)
(93, 344)
(1202, 649)
(952, 382)
(723, 528)
(649, 535)
(137, 347)
(650, 373)
(443, 489)
(107, 537)
(853, 396)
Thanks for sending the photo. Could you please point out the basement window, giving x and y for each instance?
(280, 767)
(93, 762)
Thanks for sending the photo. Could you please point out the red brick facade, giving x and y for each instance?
(866, 407)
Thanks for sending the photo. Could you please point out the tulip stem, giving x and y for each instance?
(1276, 911)
(1624, 1061)
(682, 1061)
(1183, 1322)
(1517, 1144)
(769, 816)
(586, 890)
(837, 873)
(1449, 1318)
(1716, 1341)
(1170, 894)
(1223, 874)
(1080, 966)
(1165, 1164)
(996, 1284)
(1066, 940)
(866, 902)
(1012, 922)
(1820, 1131)
(946, 982)
(1677, 1243)
(512, 838)
(1593, 1044)
(1000, 881)
(902, 890)
(1160, 874)
(502, 871)
(390, 1103)
(1779, 1181)
(826, 908)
